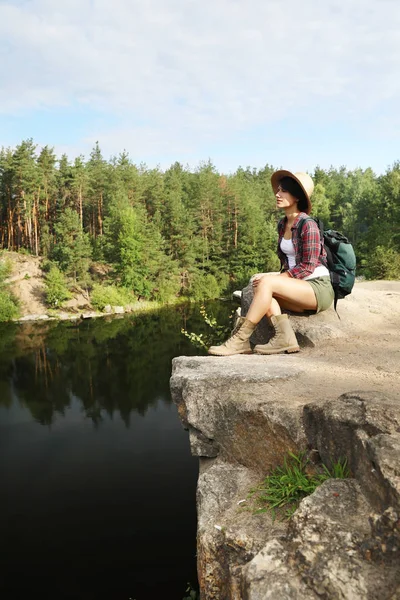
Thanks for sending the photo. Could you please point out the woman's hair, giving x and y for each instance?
(290, 185)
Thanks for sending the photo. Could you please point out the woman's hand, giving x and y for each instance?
(255, 280)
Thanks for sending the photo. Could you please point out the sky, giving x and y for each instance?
(289, 83)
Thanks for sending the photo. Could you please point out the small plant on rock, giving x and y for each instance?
(193, 594)
(282, 490)
(215, 334)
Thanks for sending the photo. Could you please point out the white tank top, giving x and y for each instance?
(288, 249)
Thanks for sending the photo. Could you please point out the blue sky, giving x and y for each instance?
(288, 83)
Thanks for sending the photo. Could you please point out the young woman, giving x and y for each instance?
(304, 283)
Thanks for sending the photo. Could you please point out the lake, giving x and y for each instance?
(97, 496)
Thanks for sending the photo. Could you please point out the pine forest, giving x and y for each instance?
(160, 234)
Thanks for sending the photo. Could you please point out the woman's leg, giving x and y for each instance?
(267, 294)
(270, 289)
(274, 309)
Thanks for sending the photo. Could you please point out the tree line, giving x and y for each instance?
(195, 233)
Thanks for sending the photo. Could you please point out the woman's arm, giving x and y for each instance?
(309, 244)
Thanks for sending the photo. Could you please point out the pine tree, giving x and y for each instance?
(98, 172)
(45, 201)
(72, 250)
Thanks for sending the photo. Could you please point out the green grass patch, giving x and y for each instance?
(282, 490)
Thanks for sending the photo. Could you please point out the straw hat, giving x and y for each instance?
(303, 179)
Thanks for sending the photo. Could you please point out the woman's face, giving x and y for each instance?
(284, 199)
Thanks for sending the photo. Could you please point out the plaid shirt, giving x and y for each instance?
(309, 251)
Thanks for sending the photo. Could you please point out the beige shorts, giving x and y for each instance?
(323, 291)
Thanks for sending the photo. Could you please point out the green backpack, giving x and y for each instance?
(341, 259)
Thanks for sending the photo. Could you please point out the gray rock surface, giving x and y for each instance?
(270, 576)
(364, 427)
(90, 314)
(34, 317)
(343, 542)
(228, 405)
(228, 536)
(325, 544)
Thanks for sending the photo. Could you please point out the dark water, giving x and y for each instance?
(97, 484)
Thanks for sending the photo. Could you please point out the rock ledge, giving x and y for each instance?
(344, 540)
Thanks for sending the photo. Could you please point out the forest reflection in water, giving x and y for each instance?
(98, 485)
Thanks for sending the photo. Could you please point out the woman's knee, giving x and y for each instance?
(265, 284)
(270, 282)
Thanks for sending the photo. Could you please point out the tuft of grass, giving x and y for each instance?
(282, 490)
(339, 470)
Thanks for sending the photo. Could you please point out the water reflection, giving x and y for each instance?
(97, 482)
(119, 366)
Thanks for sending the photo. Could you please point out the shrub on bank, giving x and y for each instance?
(8, 303)
(8, 306)
(204, 286)
(102, 295)
(384, 263)
(5, 268)
(56, 288)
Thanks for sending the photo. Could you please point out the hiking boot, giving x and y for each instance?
(284, 339)
(239, 342)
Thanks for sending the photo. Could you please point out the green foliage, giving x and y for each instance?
(214, 334)
(8, 305)
(339, 470)
(24, 251)
(204, 286)
(282, 490)
(46, 265)
(56, 290)
(167, 287)
(383, 263)
(192, 593)
(72, 250)
(320, 204)
(103, 295)
(9, 308)
(5, 268)
(197, 234)
(135, 246)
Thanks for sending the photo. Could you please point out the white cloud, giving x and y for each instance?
(198, 68)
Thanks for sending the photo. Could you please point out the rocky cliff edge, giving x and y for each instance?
(338, 398)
